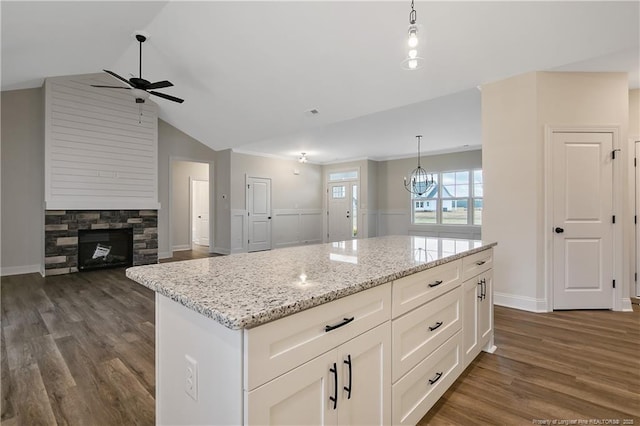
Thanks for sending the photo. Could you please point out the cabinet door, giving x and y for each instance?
(299, 397)
(365, 380)
(470, 306)
(485, 309)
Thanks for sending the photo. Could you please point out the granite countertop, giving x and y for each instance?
(248, 289)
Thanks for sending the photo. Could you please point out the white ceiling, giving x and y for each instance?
(248, 71)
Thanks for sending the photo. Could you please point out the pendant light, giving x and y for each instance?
(412, 61)
(419, 180)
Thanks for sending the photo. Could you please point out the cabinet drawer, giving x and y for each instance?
(477, 263)
(414, 290)
(276, 347)
(420, 332)
(414, 394)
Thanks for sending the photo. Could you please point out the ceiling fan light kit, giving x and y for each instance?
(140, 88)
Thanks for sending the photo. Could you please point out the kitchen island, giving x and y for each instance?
(332, 333)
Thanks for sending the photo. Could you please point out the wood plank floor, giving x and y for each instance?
(79, 350)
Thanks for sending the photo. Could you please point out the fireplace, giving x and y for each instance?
(62, 236)
(105, 248)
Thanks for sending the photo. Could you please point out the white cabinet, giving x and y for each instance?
(348, 385)
(477, 326)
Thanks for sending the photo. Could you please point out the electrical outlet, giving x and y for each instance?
(191, 377)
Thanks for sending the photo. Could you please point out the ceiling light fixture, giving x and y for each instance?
(303, 158)
(412, 61)
(419, 181)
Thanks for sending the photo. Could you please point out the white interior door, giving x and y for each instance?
(342, 204)
(582, 182)
(637, 212)
(200, 211)
(259, 210)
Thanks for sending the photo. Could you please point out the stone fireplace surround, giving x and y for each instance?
(61, 235)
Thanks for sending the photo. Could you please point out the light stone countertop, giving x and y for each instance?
(248, 289)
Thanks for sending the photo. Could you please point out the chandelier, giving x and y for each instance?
(412, 61)
(419, 180)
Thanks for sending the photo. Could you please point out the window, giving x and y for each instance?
(455, 198)
(338, 192)
(337, 176)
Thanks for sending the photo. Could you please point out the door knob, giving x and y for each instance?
(559, 230)
(199, 217)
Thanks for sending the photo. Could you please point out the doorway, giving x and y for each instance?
(259, 213)
(189, 198)
(581, 191)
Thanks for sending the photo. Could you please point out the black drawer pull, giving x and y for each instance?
(481, 295)
(348, 388)
(334, 398)
(438, 324)
(481, 262)
(437, 283)
(435, 379)
(345, 321)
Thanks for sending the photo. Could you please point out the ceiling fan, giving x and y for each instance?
(140, 87)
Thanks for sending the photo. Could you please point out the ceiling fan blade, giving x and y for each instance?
(169, 97)
(159, 85)
(112, 87)
(118, 77)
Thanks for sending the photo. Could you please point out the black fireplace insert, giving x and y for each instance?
(105, 248)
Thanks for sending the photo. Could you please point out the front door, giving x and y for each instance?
(343, 204)
(582, 182)
(259, 212)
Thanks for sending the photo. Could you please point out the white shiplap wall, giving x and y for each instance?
(100, 153)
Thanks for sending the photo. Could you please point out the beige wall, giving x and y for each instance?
(174, 144)
(288, 191)
(634, 114)
(22, 180)
(222, 204)
(182, 174)
(514, 114)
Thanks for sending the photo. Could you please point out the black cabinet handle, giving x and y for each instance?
(345, 321)
(334, 398)
(435, 284)
(435, 379)
(480, 284)
(438, 324)
(481, 262)
(348, 388)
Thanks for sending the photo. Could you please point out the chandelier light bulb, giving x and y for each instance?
(413, 36)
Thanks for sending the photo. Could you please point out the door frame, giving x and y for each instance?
(172, 159)
(191, 197)
(622, 282)
(636, 212)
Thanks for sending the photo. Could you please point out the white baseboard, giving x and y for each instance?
(220, 250)
(164, 255)
(626, 305)
(523, 303)
(19, 270)
(181, 247)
